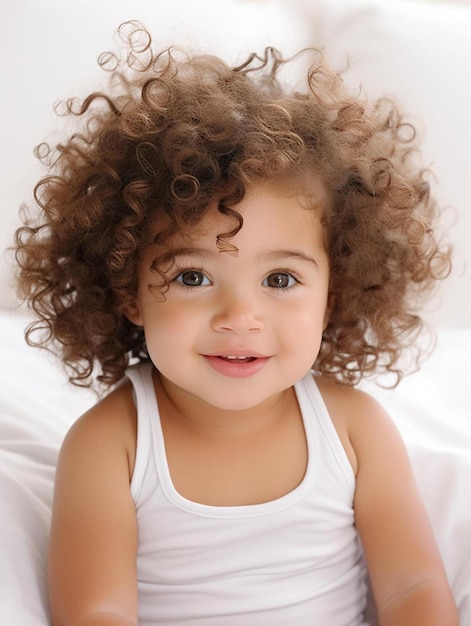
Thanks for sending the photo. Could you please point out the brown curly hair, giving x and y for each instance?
(172, 132)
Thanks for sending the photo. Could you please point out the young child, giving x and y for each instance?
(232, 256)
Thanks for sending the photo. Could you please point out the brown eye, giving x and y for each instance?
(192, 278)
(279, 280)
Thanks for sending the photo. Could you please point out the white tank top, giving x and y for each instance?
(294, 561)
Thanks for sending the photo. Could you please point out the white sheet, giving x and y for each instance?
(37, 407)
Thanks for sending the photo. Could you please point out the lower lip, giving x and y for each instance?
(235, 369)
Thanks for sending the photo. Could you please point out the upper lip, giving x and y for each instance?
(238, 352)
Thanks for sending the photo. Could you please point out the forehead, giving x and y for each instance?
(268, 212)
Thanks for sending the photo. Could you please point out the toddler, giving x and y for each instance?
(230, 256)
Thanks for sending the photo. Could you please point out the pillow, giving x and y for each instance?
(417, 52)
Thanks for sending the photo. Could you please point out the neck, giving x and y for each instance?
(199, 416)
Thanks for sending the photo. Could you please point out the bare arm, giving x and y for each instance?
(104, 619)
(408, 579)
(92, 563)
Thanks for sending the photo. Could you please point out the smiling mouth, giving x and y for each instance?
(238, 359)
(237, 365)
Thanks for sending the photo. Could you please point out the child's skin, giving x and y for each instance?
(233, 430)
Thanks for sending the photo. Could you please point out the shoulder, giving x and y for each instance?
(359, 419)
(108, 428)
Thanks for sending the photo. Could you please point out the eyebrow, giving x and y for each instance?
(297, 255)
(281, 255)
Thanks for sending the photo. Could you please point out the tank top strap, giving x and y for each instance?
(318, 422)
(144, 399)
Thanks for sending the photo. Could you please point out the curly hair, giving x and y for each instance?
(172, 132)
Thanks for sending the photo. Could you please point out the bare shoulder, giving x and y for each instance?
(340, 393)
(109, 424)
(357, 416)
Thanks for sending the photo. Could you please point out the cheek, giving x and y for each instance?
(304, 326)
(310, 311)
(166, 327)
(309, 327)
(160, 322)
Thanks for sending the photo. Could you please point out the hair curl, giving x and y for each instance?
(173, 132)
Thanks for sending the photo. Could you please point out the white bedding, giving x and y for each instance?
(418, 50)
(37, 406)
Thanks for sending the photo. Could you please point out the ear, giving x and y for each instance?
(133, 313)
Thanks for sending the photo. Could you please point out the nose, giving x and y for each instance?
(237, 313)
